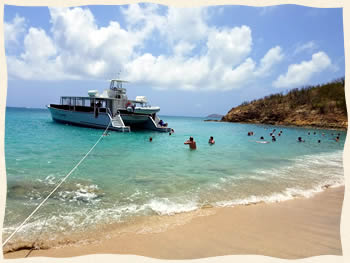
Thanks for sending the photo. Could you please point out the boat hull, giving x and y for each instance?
(101, 121)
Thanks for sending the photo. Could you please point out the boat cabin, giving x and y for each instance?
(111, 101)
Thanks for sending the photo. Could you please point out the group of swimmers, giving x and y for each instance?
(319, 141)
(191, 142)
(300, 139)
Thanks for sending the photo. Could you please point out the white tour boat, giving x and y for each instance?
(111, 107)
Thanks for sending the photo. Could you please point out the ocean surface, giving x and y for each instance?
(126, 177)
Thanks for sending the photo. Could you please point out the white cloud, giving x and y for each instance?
(240, 76)
(300, 74)
(13, 29)
(198, 56)
(183, 48)
(272, 57)
(78, 48)
(210, 70)
(309, 46)
(38, 46)
(229, 46)
(81, 48)
(187, 24)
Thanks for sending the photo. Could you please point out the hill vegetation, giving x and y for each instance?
(321, 106)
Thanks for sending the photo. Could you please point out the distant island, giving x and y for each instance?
(321, 106)
(216, 116)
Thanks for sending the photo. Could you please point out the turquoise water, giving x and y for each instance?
(126, 176)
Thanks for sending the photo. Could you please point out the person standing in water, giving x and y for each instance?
(191, 142)
(211, 140)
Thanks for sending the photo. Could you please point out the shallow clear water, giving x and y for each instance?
(126, 176)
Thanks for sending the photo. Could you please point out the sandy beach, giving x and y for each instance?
(291, 229)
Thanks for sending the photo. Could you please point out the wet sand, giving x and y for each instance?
(292, 229)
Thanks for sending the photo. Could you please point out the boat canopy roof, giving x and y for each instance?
(86, 98)
(119, 80)
(117, 84)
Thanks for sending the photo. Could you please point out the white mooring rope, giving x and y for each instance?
(62, 181)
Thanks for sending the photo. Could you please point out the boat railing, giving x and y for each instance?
(156, 120)
(116, 121)
(109, 112)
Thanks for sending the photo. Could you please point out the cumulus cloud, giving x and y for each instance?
(197, 56)
(211, 70)
(300, 74)
(14, 29)
(229, 46)
(188, 24)
(239, 76)
(272, 57)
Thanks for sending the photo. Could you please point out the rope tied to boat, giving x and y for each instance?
(58, 185)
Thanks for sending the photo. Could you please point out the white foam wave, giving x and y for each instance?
(84, 193)
(164, 206)
(316, 172)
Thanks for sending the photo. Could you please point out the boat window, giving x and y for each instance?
(79, 102)
(65, 101)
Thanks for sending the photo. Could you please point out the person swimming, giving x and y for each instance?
(273, 138)
(150, 139)
(300, 139)
(191, 143)
(211, 140)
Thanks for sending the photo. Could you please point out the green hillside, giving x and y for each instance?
(318, 106)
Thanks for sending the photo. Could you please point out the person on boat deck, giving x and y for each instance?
(191, 143)
(211, 140)
(162, 123)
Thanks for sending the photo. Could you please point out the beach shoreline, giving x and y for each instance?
(298, 228)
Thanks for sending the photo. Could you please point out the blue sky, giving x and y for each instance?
(188, 61)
